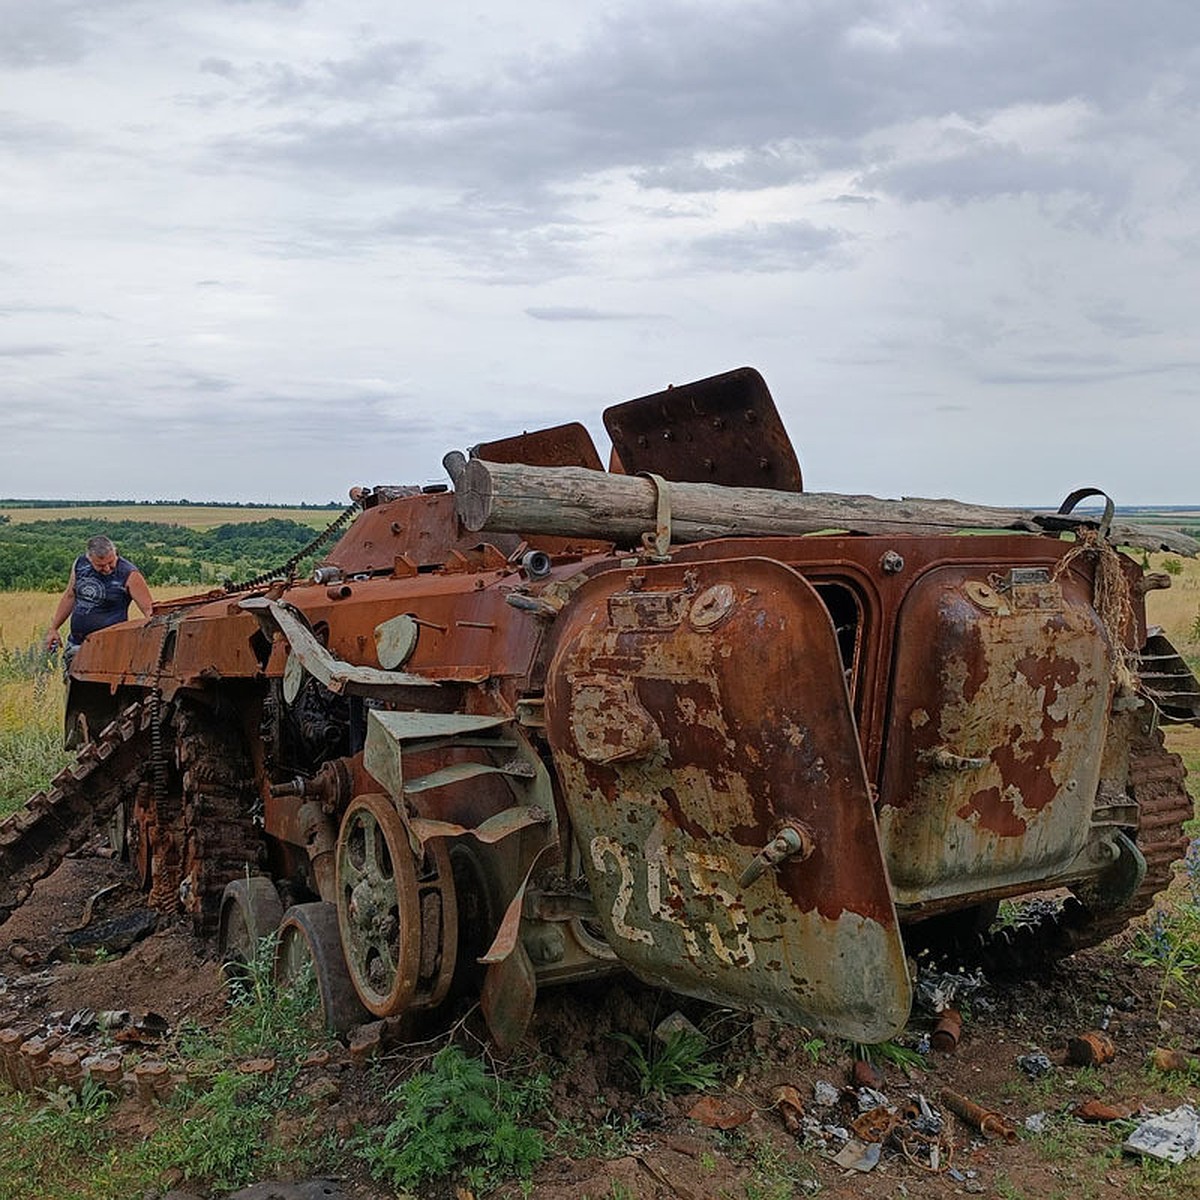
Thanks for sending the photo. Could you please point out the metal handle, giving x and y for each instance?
(792, 841)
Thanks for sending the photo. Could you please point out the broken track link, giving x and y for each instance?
(55, 822)
(1156, 783)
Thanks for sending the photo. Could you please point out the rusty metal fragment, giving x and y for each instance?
(1092, 1049)
(990, 1124)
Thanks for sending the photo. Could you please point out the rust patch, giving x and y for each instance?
(995, 812)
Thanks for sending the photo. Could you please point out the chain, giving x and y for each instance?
(285, 570)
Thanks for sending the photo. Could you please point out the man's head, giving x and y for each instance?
(102, 554)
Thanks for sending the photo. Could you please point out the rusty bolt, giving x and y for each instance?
(891, 563)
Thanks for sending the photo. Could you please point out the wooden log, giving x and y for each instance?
(580, 503)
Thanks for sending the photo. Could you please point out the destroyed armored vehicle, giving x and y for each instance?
(679, 718)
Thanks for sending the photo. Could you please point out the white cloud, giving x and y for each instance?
(269, 249)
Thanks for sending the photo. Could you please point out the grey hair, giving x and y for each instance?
(100, 546)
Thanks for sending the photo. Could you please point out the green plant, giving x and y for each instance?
(72, 1120)
(674, 1065)
(220, 1136)
(265, 1016)
(889, 1052)
(813, 1048)
(1006, 1189)
(609, 1139)
(775, 1175)
(1172, 566)
(1171, 941)
(455, 1118)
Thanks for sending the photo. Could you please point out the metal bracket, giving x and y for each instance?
(658, 543)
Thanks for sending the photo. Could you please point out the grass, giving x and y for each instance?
(31, 723)
(220, 1129)
(674, 1065)
(191, 516)
(32, 696)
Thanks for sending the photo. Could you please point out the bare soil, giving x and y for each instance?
(636, 1147)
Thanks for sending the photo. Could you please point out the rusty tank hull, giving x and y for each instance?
(752, 768)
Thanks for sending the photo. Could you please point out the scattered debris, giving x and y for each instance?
(1037, 1122)
(922, 1116)
(991, 1124)
(1173, 1060)
(868, 1098)
(714, 1112)
(151, 1028)
(947, 1031)
(937, 991)
(1172, 1136)
(89, 906)
(791, 1107)
(825, 1095)
(1091, 1049)
(859, 1156)
(1097, 1112)
(875, 1125)
(114, 936)
(1035, 1065)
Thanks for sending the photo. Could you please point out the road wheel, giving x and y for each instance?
(250, 911)
(397, 917)
(309, 954)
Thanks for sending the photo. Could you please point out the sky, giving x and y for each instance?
(267, 250)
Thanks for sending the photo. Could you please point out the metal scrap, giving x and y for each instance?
(936, 991)
(1091, 1049)
(1172, 1137)
(1035, 1065)
(990, 1123)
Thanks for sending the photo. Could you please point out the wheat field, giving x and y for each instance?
(191, 516)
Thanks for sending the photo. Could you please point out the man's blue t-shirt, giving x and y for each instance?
(100, 600)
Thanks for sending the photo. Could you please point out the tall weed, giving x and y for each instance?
(31, 722)
(455, 1119)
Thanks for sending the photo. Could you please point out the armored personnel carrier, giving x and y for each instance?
(677, 717)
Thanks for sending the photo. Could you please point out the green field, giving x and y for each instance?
(190, 516)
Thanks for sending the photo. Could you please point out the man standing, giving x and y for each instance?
(98, 594)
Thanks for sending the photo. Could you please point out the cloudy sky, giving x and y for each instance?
(269, 249)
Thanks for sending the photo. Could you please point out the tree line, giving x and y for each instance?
(38, 555)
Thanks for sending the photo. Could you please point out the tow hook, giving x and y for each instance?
(792, 841)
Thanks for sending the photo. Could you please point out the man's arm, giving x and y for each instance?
(66, 602)
(140, 591)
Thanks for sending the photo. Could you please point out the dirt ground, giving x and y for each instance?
(637, 1148)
